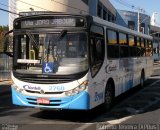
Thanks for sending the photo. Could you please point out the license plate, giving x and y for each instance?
(43, 101)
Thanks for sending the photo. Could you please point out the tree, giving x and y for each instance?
(3, 30)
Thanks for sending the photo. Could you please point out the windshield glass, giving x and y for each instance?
(54, 53)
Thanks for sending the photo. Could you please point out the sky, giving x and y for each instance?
(3, 15)
(149, 6)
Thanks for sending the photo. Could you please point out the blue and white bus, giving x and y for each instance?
(63, 61)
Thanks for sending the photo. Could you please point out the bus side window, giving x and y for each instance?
(112, 44)
(124, 48)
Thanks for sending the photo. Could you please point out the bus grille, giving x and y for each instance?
(48, 79)
(45, 80)
(29, 91)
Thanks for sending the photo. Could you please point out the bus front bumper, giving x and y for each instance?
(79, 101)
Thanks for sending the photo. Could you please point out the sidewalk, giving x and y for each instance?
(5, 87)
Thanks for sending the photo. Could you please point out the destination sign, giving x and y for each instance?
(53, 22)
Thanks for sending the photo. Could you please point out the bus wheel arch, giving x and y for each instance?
(109, 94)
(142, 78)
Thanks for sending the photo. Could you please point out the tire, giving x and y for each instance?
(142, 79)
(108, 97)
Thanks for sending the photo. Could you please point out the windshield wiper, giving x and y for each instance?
(48, 51)
(61, 35)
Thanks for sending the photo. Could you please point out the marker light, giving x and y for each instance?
(17, 88)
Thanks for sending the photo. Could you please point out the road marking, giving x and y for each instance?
(116, 121)
(83, 127)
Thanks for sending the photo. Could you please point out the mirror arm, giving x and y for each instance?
(8, 33)
(5, 48)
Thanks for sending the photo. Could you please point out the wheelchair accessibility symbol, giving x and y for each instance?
(48, 67)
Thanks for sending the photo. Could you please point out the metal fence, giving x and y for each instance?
(5, 67)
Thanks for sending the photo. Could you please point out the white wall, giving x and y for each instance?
(53, 5)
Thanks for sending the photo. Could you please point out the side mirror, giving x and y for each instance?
(7, 44)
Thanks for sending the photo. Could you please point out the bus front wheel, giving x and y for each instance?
(109, 97)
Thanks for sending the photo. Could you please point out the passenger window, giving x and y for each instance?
(149, 50)
(132, 46)
(112, 44)
(112, 37)
(124, 52)
(122, 39)
(131, 40)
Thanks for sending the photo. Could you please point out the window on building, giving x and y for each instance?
(99, 10)
(104, 14)
(109, 16)
(131, 25)
(85, 1)
(113, 18)
(142, 28)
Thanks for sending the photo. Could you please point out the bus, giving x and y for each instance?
(76, 62)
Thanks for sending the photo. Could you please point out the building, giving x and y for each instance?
(100, 8)
(12, 8)
(131, 19)
(146, 25)
(155, 32)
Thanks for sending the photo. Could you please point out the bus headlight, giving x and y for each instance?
(17, 88)
(77, 90)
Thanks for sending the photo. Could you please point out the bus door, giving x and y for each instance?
(97, 67)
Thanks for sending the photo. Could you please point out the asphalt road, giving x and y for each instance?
(136, 107)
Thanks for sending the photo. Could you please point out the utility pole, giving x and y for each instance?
(138, 21)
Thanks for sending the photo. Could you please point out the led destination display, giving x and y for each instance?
(53, 22)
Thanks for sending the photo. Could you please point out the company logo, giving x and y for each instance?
(98, 96)
(110, 68)
(28, 87)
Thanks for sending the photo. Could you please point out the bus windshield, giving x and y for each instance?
(61, 53)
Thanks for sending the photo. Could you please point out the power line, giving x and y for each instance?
(9, 6)
(9, 11)
(53, 1)
(34, 5)
(69, 6)
(39, 7)
(131, 6)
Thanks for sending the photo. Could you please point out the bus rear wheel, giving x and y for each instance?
(142, 79)
(109, 97)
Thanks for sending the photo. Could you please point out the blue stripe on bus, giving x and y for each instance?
(79, 101)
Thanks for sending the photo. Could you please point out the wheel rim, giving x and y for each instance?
(108, 96)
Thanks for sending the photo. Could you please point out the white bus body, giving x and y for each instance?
(120, 72)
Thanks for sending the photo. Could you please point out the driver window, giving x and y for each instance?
(97, 48)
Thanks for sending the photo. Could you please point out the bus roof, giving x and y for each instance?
(120, 28)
